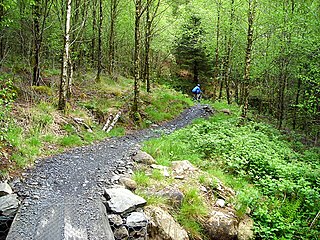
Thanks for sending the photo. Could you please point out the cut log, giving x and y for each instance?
(107, 123)
(114, 121)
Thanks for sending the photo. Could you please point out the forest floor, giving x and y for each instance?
(77, 178)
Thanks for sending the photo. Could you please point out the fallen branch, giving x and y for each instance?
(114, 121)
(107, 123)
(315, 219)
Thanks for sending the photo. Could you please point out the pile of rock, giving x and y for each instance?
(9, 204)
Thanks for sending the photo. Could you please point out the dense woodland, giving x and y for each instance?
(261, 55)
(265, 53)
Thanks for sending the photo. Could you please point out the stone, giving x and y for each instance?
(163, 226)
(182, 167)
(245, 229)
(137, 219)
(143, 157)
(122, 200)
(115, 220)
(220, 203)
(222, 225)
(9, 204)
(5, 189)
(174, 195)
(121, 233)
(128, 183)
(163, 169)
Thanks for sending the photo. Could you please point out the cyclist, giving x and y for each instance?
(196, 92)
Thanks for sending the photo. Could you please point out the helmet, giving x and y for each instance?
(198, 85)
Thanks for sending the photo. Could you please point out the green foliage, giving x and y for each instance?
(141, 178)
(284, 197)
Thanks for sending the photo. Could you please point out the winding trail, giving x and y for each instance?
(62, 194)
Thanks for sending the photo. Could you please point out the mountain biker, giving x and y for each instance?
(196, 92)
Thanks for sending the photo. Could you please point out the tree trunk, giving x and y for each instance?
(146, 76)
(100, 42)
(65, 71)
(216, 68)
(113, 18)
(1, 33)
(138, 11)
(37, 44)
(294, 124)
(246, 78)
(93, 40)
(228, 57)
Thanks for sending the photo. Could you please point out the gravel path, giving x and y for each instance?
(67, 188)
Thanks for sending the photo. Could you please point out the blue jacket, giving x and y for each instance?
(196, 90)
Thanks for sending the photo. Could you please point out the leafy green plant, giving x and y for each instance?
(70, 141)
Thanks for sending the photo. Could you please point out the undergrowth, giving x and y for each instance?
(279, 184)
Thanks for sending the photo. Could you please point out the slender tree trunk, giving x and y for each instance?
(228, 57)
(65, 71)
(100, 41)
(146, 76)
(216, 68)
(138, 12)
(246, 78)
(113, 13)
(1, 33)
(294, 124)
(37, 43)
(94, 27)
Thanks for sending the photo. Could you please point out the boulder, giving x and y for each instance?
(143, 157)
(220, 203)
(5, 189)
(9, 204)
(121, 201)
(222, 225)
(162, 226)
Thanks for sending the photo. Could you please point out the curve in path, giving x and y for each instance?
(62, 194)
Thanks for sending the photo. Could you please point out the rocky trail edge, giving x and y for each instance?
(61, 195)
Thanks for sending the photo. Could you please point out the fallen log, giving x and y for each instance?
(114, 121)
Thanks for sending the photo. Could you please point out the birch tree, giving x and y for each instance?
(66, 69)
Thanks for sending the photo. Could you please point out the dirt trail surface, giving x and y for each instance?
(61, 195)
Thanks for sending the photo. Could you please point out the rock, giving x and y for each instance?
(143, 157)
(9, 204)
(174, 195)
(121, 233)
(220, 203)
(122, 200)
(5, 189)
(128, 183)
(137, 219)
(115, 220)
(163, 169)
(245, 229)
(163, 226)
(222, 225)
(182, 167)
